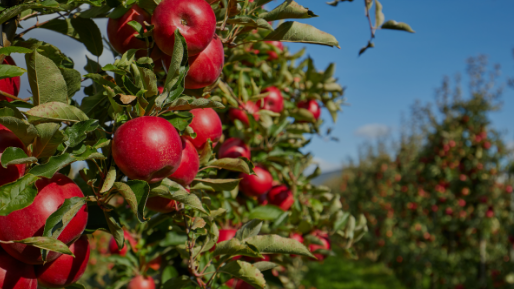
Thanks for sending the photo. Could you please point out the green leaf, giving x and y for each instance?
(188, 103)
(267, 213)
(15, 156)
(237, 165)
(149, 81)
(48, 139)
(246, 272)
(177, 283)
(96, 219)
(17, 195)
(391, 24)
(379, 15)
(292, 31)
(89, 34)
(215, 184)
(93, 103)
(250, 229)
(78, 132)
(171, 190)
(180, 119)
(46, 80)
(73, 80)
(14, 49)
(55, 111)
(7, 70)
(274, 244)
(264, 265)
(45, 243)
(288, 10)
(15, 10)
(25, 131)
(109, 180)
(115, 227)
(136, 194)
(250, 21)
(234, 247)
(53, 165)
(61, 26)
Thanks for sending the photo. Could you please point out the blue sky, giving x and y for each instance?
(385, 81)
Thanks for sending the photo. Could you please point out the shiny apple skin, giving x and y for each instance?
(206, 67)
(10, 85)
(65, 270)
(234, 148)
(312, 106)
(15, 274)
(147, 148)
(122, 36)
(12, 172)
(30, 221)
(274, 101)
(189, 165)
(240, 113)
(256, 185)
(140, 282)
(194, 19)
(115, 250)
(207, 125)
(281, 197)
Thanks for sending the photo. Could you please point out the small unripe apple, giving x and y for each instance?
(234, 148)
(312, 106)
(30, 221)
(194, 19)
(189, 164)
(256, 185)
(206, 67)
(147, 148)
(281, 197)
(274, 101)
(15, 274)
(12, 172)
(207, 125)
(115, 250)
(141, 282)
(240, 113)
(122, 36)
(66, 269)
(11, 85)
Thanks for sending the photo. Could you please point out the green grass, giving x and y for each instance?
(339, 273)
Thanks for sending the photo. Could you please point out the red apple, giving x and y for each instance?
(243, 285)
(256, 185)
(66, 269)
(189, 164)
(263, 199)
(207, 125)
(193, 18)
(312, 106)
(224, 235)
(115, 250)
(274, 101)
(15, 274)
(140, 282)
(234, 148)
(206, 67)
(10, 85)
(122, 36)
(12, 172)
(30, 221)
(230, 283)
(326, 244)
(161, 204)
(281, 197)
(147, 148)
(273, 54)
(155, 264)
(240, 113)
(297, 237)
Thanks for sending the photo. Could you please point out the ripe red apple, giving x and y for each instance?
(298, 237)
(234, 148)
(30, 221)
(115, 250)
(256, 185)
(224, 235)
(189, 164)
(206, 67)
(281, 197)
(326, 244)
(194, 19)
(12, 172)
(66, 269)
(155, 264)
(207, 125)
(10, 85)
(240, 113)
(312, 106)
(15, 274)
(243, 285)
(122, 36)
(147, 148)
(274, 101)
(272, 54)
(141, 282)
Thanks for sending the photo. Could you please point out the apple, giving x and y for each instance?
(240, 113)
(274, 101)
(161, 204)
(296, 236)
(230, 283)
(207, 125)
(256, 185)
(312, 106)
(189, 165)
(193, 18)
(141, 282)
(155, 264)
(326, 244)
(12, 172)
(224, 235)
(243, 285)
(10, 85)
(115, 250)
(281, 197)
(15, 274)
(122, 36)
(147, 148)
(30, 221)
(234, 148)
(66, 269)
(272, 54)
